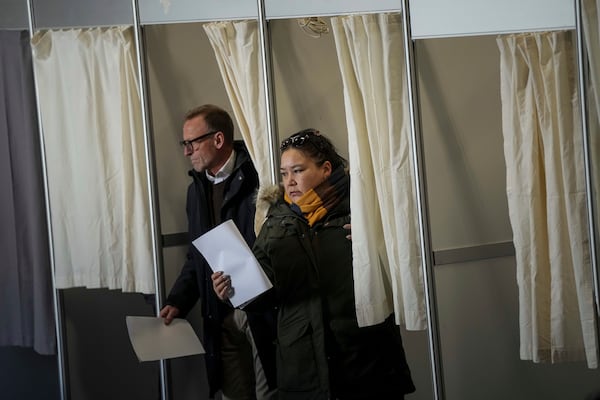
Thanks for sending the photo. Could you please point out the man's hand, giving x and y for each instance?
(168, 313)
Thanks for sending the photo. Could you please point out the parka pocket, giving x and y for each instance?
(297, 370)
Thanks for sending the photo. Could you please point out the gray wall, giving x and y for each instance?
(13, 15)
(81, 13)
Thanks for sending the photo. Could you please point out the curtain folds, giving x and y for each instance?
(547, 197)
(237, 51)
(385, 240)
(25, 274)
(91, 117)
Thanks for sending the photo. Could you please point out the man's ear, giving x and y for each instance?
(219, 140)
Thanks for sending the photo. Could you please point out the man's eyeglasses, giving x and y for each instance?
(187, 144)
(299, 139)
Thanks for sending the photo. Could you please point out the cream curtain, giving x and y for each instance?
(91, 118)
(387, 263)
(547, 198)
(236, 47)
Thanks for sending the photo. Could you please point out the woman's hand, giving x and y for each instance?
(349, 227)
(222, 285)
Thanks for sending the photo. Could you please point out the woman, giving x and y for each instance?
(303, 248)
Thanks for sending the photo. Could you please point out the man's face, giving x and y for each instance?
(203, 152)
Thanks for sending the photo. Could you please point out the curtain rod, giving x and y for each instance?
(583, 100)
(334, 14)
(47, 28)
(427, 259)
(494, 33)
(59, 324)
(151, 181)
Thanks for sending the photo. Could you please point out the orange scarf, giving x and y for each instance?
(315, 203)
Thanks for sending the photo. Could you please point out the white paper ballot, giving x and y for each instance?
(153, 340)
(225, 249)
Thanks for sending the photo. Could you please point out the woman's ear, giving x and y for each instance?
(327, 168)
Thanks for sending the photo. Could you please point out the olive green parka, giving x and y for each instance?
(321, 351)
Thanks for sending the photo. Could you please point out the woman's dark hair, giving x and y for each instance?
(314, 145)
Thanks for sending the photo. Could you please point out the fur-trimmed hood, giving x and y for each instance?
(265, 198)
(269, 195)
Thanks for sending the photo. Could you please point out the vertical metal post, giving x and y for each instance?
(56, 297)
(151, 181)
(266, 56)
(583, 96)
(422, 207)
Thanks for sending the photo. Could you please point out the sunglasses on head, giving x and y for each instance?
(298, 139)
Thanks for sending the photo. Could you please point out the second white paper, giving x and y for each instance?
(225, 249)
(153, 340)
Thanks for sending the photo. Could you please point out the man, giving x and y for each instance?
(240, 353)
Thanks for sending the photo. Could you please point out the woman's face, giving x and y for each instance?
(300, 173)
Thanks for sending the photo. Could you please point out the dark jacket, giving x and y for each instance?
(194, 280)
(322, 352)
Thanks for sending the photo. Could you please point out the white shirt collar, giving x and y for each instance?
(225, 170)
